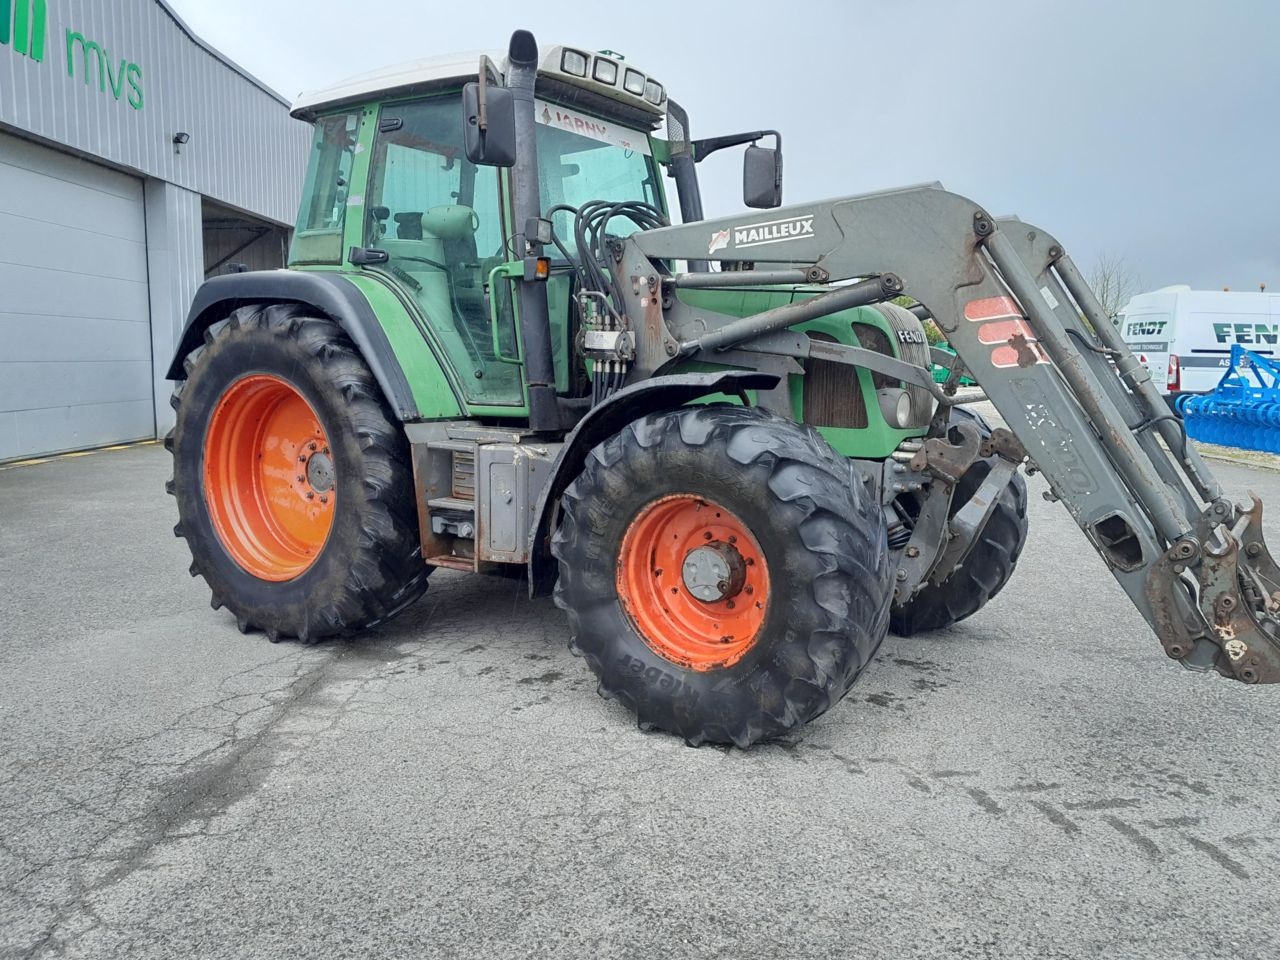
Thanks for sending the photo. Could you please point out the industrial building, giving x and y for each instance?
(135, 161)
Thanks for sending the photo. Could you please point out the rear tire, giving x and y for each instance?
(809, 539)
(990, 563)
(293, 480)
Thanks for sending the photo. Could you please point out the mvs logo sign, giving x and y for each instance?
(24, 24)
(96, 63)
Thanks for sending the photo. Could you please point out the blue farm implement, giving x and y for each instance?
(1244, 410)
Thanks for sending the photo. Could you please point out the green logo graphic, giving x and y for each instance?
(1247, 333)
(95, 61)
(24, 22)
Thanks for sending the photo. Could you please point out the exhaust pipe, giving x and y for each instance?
(535, 321)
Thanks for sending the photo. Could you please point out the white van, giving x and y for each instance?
(1184, 336)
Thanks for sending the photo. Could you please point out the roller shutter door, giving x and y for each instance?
(75, 332)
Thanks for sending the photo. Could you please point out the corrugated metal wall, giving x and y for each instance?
(175, 261)
(244, 151)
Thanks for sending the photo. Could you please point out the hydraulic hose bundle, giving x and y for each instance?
(605, 337)
(1244, 409)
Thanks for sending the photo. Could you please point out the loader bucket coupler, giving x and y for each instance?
(1230, 570)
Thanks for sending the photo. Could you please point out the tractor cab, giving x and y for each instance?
(395, 189)
(391, 189)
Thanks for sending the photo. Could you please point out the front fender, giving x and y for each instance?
(630, 403)
(332, 295)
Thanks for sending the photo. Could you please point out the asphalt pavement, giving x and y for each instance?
(1038, 782)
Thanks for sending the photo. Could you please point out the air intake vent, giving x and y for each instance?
(464, 475)
(832, 395)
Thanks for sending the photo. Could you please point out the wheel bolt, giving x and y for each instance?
(301, 478)
(313, 447)
(707, 535)
(733, 539)
(729, 604)
(750, 589)
(310, 495)
(324, 499)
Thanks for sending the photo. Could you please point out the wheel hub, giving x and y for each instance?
(320, 471)
(714, 572)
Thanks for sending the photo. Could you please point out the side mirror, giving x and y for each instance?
(762, 177)
(489, 125)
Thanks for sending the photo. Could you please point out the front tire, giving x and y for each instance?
(293, 481)
(725, 573)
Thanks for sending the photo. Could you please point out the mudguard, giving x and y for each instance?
(603, 421)
(330, 294)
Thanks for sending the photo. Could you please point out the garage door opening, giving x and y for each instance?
(234, 243)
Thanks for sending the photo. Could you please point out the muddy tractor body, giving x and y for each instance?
(720, 443)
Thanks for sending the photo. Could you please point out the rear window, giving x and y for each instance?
(318, 238)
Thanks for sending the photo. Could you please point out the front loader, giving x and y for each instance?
(719, 443)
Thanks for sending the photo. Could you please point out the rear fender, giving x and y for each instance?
(331, 295)
(640, 399)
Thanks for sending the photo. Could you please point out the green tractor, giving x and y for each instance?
(720, 443)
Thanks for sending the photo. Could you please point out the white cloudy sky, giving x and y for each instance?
(1144, 129)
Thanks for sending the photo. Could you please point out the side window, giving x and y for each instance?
(439, 218)
(318, 238)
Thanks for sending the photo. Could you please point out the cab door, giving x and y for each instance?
(439, 218)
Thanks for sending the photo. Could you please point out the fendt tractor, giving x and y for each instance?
(719, 442)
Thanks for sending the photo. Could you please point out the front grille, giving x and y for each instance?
(832, 394)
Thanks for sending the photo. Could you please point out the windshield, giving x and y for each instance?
(582, 158)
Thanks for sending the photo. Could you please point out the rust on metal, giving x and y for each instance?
(1027, 356)
(1003, 443)
(946, 460)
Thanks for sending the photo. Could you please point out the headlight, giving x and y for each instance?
(606, 71)
(895, 405)
(574, 63)
(653, 91)
(633, 82)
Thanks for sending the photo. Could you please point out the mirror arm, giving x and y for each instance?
(487, 70)
(704, 148)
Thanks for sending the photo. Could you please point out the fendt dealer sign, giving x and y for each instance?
(25, 28)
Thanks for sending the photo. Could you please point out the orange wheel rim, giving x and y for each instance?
(694, 582)
(269, 478)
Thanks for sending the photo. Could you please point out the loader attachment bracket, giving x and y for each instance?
(967, 523)
(1002, 443)
(947, 460)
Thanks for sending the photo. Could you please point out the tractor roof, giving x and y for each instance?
(574, 66)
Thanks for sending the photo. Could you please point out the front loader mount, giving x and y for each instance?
(1025, 324)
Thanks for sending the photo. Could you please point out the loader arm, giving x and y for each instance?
(1024, 322)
